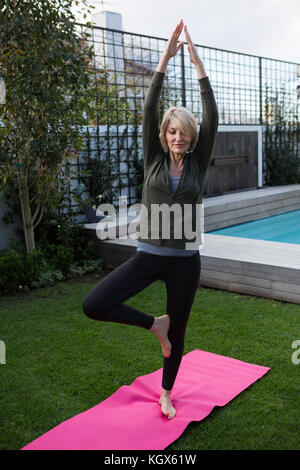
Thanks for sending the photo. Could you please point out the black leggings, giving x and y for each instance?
(181, 275)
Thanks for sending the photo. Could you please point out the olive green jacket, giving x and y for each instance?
(156, 190)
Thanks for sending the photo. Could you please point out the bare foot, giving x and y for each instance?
(166, 405)
(161, 327)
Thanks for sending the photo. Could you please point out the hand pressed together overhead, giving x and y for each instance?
(173, 46)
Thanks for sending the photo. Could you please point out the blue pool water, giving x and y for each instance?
(283, 228)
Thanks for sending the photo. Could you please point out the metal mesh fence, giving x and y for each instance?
(249, 90)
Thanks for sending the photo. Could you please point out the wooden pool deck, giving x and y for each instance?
(256, 267)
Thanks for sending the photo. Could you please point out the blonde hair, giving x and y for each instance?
(185, 119)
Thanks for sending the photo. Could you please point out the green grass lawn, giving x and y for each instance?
(60, 363)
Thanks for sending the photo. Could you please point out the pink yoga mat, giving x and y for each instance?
(131, 418)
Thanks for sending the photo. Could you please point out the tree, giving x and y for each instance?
(46, 66)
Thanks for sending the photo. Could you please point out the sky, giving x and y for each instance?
(267, 28)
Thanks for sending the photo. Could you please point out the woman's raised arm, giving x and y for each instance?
(194, 56)
(171, 49)
(151, 114)
(210, 117)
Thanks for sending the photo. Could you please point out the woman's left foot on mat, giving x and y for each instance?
(166, 404)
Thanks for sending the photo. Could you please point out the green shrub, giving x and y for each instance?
(44, 266)
(19, 268)
(11, 263)
(48, 278)
(70, 235)
(63, 257)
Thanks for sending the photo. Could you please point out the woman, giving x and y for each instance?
(175, 165)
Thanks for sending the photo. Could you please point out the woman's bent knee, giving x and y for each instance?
(90, 311)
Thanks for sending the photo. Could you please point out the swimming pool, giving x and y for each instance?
(283, 228)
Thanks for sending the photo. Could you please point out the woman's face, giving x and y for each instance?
(177, 141)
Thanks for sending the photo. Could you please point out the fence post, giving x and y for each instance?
(182, 79)
(260, 93)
